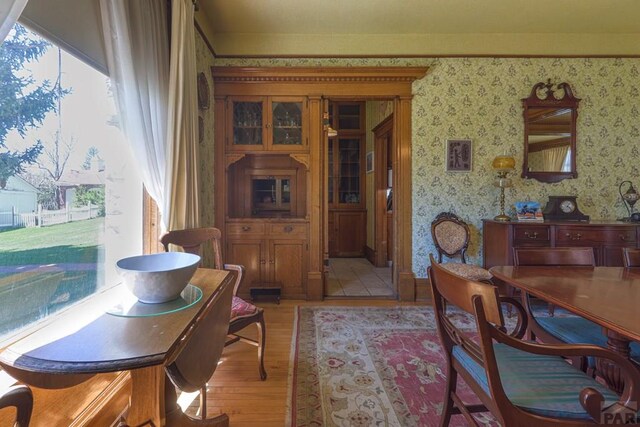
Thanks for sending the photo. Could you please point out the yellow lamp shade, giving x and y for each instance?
(504, 163)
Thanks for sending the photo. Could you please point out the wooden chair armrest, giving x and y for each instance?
(631, 391)
(239, 269)
(523, 320)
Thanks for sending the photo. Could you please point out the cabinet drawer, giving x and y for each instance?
(529, 234)
(288, 229)
(573, 235)
(245, 229)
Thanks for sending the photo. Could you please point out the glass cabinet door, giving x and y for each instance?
(287, 123)
(349, 165)
(247, 123)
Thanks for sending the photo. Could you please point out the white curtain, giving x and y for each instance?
(182, 128)
(137, 48)
(10, 11)
(553, 158)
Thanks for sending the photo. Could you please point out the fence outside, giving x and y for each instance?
(45, 217)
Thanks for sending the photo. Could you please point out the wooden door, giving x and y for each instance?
(350, 233)
(383, 211)
(287, 265)
(250, 253)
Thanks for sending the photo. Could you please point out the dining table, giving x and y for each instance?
(607, 296)
(112, 332)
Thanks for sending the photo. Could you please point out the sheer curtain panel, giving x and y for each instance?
(136, 37)
(10, 11)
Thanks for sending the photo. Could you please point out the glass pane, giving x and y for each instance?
(60, 238)
(348, 117)
(285, 191)
(349, 184)
(330, 183)
(287, 123)
(247, 123)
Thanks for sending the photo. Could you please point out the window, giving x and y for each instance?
(70, 194)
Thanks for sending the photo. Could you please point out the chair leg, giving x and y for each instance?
(447, 408)
(552, 309)
(203, 403)
(261, 344)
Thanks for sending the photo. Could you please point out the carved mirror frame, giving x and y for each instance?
(543, 95)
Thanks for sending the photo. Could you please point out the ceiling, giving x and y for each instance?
(421, 27)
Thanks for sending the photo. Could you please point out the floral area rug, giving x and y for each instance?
(369, 366)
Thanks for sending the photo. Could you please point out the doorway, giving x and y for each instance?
(358, 162)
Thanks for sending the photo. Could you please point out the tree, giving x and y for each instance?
(24, 103)
(91, 153)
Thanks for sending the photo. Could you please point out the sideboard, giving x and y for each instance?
(607, 238)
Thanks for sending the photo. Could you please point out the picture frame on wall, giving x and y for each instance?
(459, 155)
(369, 162)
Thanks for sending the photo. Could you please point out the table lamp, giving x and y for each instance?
(629, 199)
(503, 165)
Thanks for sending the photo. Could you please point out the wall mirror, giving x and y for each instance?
(550, 115)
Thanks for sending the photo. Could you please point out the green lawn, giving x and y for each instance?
(73, 242)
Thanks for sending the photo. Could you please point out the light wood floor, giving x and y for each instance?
(236, 388)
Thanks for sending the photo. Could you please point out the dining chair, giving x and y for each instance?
(243, 313)
(451, 237)
(20, 397)
(197, 362)
(573, 257)
(631, 257)
(566, 329)
(521, 383)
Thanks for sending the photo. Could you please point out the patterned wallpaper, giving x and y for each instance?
(204, 63)
(479, 99)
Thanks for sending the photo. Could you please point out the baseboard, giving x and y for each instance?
(423, 289)
(370, 254)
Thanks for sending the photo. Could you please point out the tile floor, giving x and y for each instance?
(357, 277)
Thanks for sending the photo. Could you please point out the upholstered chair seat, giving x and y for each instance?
(469, 271)
(539, 384)
(241, 308)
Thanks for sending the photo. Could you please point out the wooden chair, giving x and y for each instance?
(571, 257)
(21, 398)
(243, 314)
(451, 236)
(631, 257)
(198, 360)
(572, 329)
(522, 384)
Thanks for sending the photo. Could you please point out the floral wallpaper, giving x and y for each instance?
(204, 63)
(480, 99)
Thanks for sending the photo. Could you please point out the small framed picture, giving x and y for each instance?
(458, 155)
(528, 211)
(370, 161)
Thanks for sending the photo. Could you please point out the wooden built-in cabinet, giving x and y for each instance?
(265, 123)
(346, 183)
(271, 251)
(606, 238)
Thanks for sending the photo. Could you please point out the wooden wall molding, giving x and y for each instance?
(301, 158)
(317, 74)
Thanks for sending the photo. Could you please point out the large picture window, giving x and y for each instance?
(70, 194)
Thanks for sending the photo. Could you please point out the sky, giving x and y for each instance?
(84, 112)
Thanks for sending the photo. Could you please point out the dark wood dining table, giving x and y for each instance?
(607, 296)
(89, 339)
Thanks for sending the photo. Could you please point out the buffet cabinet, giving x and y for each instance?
(271, 251)
(607, 238)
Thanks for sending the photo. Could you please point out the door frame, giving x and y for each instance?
(316, 83)
(383, 137)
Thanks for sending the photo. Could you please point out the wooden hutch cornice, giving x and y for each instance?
(328, 81)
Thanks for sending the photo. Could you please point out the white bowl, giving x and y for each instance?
(158, 278)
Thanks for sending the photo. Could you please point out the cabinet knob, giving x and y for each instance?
(268, 125)
(288, 229)
(533, 235)
(572, 237)
(246, 228)
(271, 261)
(623, 237)
(262, 261)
